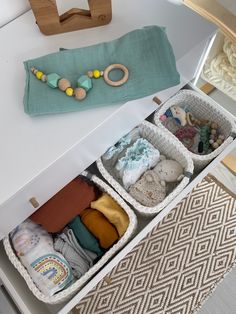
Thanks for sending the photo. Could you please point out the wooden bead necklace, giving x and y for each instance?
(84, 82)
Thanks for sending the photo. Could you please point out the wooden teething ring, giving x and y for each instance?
(112, 67)
(190, 119)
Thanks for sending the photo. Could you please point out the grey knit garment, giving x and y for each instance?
(79, 259)
(148, 190)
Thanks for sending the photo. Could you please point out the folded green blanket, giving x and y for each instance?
(146, 52)
(84, 237)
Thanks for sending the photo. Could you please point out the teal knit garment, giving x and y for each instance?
(84, 237)
(146, 53)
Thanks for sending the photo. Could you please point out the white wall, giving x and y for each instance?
(10, 9)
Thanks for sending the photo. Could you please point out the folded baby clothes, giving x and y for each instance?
(113, 212)
(113, 153)
(65, 205)
(152, 50)
(84, 237)
(138, 158)
(47, 268)
(75, 244)
(100, 227)
(149, 190)
(78, 258)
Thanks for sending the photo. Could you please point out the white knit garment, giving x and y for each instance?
(221, 70)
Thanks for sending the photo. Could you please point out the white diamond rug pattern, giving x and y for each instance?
(175, 268)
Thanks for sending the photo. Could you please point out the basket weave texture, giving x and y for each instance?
(168, 146)
(72, 289)
(202, 107)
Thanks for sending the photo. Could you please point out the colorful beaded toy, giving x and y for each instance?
(84, 82)
(203, 144)
(208, 131)
(186, 135)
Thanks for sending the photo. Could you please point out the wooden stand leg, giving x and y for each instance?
(230, 162)
(49, 21)
(207, 88)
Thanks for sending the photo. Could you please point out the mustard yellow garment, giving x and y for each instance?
(100, 227)
(113, 212)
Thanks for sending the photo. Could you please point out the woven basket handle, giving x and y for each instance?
(188, 174)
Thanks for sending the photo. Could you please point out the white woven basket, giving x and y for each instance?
(202, 107)
(72, 289)
(167, 145)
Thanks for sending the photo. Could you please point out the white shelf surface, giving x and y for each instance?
(30, 145)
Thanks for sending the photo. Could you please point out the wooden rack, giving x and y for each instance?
(50, 22)
(216, 13)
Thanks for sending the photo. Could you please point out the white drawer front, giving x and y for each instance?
(73, 162)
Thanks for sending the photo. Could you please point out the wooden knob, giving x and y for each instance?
(34, 202)
(156, 100)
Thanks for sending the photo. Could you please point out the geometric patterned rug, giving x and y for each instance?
(178, 264)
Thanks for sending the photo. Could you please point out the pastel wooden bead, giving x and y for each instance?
(213, 131)
(63, 84)
(90, 74)
(219, 141)
(221, 137)
(69, 91)
(52, 80)
(215, 145)
(80, 93)
(85, 82)
(214, 125)
(39, 75)
(44, 78)
(96, 73)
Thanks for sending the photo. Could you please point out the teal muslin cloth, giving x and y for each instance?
(84, 237)
(146, 53)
